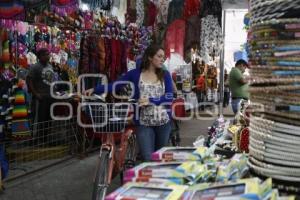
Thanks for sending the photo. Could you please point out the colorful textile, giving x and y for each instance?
(20, 97)
(12, 10)
(64, 7)
(19, 111)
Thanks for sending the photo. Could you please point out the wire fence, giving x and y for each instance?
(50, 142)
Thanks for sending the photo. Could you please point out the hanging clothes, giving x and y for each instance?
(12, 10)
(192, 36)
(212, 7)
(160, 25)
(34, 8)
(191, 8)
(174, 38)
(20, 123)
(211, 38)
(162, 12)
(140, 10)
(150, 13)
(115, 59)
(175, 10)
(64, 7)
(92, 55)
(131, 15)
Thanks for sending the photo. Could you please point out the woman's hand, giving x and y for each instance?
(89, 92)
(143, 101)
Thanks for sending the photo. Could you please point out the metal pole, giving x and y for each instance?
(221, 78)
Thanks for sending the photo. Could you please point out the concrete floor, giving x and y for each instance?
(72, 180)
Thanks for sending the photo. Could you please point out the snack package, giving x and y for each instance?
(175, 154)
(204, 153)
(155, 170)
(178, 181)
(228, 191)
(236, 168)
(149, 191)
(196, 172)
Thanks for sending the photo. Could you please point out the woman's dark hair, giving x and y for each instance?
(150, 53)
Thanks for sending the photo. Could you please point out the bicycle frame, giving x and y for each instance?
(116, 154)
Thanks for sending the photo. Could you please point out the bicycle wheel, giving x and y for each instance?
(100, 183)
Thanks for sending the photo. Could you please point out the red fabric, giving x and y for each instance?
(152, 12)
(63, 2)
(175, 36)
(201, 83)
(191, 7)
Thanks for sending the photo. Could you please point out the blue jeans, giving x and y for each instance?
(152, 138)
(235, 104)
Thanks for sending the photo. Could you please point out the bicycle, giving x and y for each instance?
(179, 111)
(109, 120)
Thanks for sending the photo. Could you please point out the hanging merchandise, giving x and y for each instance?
(150, 13)
(192, 36)
(212, 7)
(64, 7)
(162, 16)
(175, 10)
(140, 10)
(211, 38)
(131, 14)
(34, 8)
(12, 10)
(274, 58)
(160, 24)
(191, 8)
(20, 122)
(174, 38)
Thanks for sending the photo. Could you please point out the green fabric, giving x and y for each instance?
(238, 90)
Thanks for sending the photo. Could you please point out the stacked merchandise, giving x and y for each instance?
(183, 166)
(275, 126)
(207, 177)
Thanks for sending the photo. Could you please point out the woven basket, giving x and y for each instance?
(274, 88)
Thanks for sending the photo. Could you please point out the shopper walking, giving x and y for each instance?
(238, 85)
(200, 90)
(154, 93)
